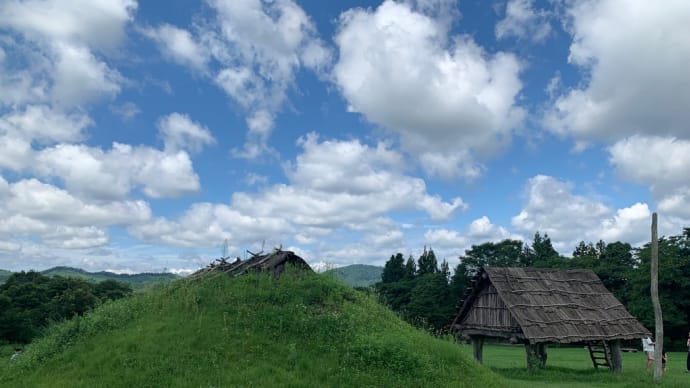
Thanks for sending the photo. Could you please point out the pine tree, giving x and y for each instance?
(410, 268)
(445, 270)
(545, 255)
(394, 270)
(427, 262)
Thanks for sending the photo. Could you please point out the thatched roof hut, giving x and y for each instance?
(273, 263)
(538, 306)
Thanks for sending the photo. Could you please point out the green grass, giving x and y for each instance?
(572, 367)
(297, 331)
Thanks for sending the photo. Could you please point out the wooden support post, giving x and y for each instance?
(477, 347)
(531, 352)
(536, 356)
(531, 356)
(541, 354)
(616, 356)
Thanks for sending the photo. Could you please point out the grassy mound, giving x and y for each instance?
(301, 330)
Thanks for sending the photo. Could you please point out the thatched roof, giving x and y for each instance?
(273, 263)
(544, 305)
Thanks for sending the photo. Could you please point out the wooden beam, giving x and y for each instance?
(459, 331)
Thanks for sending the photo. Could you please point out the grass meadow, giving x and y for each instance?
(572, 367)
(299, 331)
(250, 331)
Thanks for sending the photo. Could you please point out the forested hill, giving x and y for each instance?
(357, 275)
(135, 280)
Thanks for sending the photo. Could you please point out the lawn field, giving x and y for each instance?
(572, 367)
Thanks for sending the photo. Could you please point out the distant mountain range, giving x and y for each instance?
(139, 280)
(357, 275)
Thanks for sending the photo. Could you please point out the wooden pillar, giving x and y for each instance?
(616, 356)
(531, 353)
(654, 290)
(541, 354)
(536, 356)
(477, 347)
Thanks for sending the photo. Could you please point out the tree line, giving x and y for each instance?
(427, 295)
(29, 301)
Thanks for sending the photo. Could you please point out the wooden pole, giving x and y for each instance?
(536, 356)
(477, 347)
(616, 357)
(541, 354)
(658, 319)
(531, 353)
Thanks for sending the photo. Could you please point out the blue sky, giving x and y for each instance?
(139, 137)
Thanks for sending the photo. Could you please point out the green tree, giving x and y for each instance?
(458, 283)
(601, 247)
(430, 304)
(427, 262)
(445, 270)
(584, 256)
(70, 297)
(394, 269)
(394, 289)
(410, 268)
(674, 285)
(30, 300)
(28, 308)
(545, 256)
(395, 295)
(112, 290)
(506, 253)
(585, 250)
(614, 267)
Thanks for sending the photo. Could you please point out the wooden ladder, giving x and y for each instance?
(600, 353)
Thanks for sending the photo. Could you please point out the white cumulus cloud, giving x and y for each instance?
(334, 186)
(634, 55)
(97, 23)
(659, 163)
(252, 50)
(179, 132)
(65, 55)
(112, 174)
(551, 207)
(523, 21)
(43, 124)
(179, 45)
(451, 102)
(31, 208)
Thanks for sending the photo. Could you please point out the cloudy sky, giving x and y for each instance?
(140, 136)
